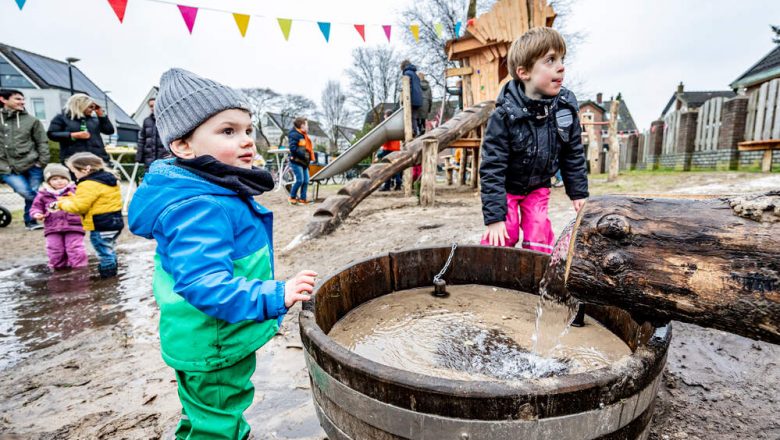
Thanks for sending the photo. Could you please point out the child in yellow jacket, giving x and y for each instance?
(99, 202)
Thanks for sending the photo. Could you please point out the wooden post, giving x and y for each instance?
(468, 98)
(406, 97)
(474, 168)
(614, 145)
(464, 153)
(594, 147)
(430, 154)
(766, 161)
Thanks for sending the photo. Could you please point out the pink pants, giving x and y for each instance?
(66, 249)
(533, 220)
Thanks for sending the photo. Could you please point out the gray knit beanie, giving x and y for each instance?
(185, 100)
(55, 170)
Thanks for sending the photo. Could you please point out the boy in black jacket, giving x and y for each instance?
(533, 132)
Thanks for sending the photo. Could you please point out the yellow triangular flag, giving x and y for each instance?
(415, 28)
(285, 24)
(438, 27)
(242, 21)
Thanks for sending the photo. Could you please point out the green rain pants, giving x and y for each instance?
(213, 402)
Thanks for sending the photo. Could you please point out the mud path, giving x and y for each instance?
(87, 365)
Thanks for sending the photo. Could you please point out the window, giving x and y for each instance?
(10, 78)
(39, 108)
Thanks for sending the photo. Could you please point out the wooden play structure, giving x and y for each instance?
(482, 54)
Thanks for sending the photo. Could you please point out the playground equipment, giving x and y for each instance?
(5, 217)
(713, 261)
(356, 398)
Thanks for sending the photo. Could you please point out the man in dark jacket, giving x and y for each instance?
(410, 71)
(424, 112)
(150, 147)
(24, 150)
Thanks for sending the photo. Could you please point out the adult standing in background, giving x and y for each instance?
(78, 130)
(24, 152)
(427, 102)
(301, 155)
(150, 146)
(410, 71)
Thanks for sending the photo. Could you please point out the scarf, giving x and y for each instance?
(246, 183)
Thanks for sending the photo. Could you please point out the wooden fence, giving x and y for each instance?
(671, 127)
(708, 125)
(763, 119)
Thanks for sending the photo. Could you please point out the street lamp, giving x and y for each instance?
(70, 61)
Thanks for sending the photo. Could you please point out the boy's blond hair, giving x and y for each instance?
(533, 45)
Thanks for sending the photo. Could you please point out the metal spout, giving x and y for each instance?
(440, 288)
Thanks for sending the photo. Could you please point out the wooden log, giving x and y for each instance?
(614, 144)
(713, 262)
(406, 96)
(430, 154)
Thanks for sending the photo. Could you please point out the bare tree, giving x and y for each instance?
(334, 112)
(292, 106)
(261, 100)
(374, 77)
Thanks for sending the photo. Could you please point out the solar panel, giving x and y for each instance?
(55, 73)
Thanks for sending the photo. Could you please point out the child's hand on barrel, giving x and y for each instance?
(496, 234)
(299, 287)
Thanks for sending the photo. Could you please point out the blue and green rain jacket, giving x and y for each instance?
(213, 270)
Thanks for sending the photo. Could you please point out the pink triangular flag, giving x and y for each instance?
(387, 28)
(119, 7)
(361, 29)
(188, 13)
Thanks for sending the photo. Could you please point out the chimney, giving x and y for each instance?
(680, 87)
(678, 102)
(598, 97)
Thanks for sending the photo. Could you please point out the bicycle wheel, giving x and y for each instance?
(288, 178)
(5, 217)
(339, 179)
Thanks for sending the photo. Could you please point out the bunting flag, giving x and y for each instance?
(361, 29)
(119, 7)
(20, 3)
(457, 29)
(188, 13)
(438, 27)
(387, 28)
(325, 29)
(415, 28)
(285, 24)
(242, 21)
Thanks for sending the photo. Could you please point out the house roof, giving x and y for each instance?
(766, 68)
(697, 99)
(625, 120)
(48, 73)
(593, 103)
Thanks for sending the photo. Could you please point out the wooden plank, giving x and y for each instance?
(466, 143)
(465, 45)
(751, 115)
(699, 142)
(758, 131)
(458, 71)
(710, 124)
(406, 99)
(775, 134)
(718, 122)
(769, 114)
(764, 144)
(766, 162)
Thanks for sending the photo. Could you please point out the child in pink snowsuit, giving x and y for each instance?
(63, 230)
(533, 132)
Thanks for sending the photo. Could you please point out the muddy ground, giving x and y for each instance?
(79, 357)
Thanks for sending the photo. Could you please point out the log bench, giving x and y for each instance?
(765, 145)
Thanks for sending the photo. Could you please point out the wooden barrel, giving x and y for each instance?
(356, 398)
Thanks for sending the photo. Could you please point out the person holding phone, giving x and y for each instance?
(79, 126)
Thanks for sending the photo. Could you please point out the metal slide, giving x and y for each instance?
(391, 129)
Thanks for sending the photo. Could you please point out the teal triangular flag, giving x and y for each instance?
(457, 29)
(325, 29)
(20, 3)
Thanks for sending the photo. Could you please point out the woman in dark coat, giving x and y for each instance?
(78, 131)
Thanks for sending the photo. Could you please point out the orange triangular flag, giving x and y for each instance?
(242, 20)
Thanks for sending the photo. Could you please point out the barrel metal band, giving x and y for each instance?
(414, 425)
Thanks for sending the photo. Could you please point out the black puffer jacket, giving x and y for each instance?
(62, 126)
(525, 143)
(150, 147)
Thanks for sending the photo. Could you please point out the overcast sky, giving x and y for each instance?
(642, 48)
